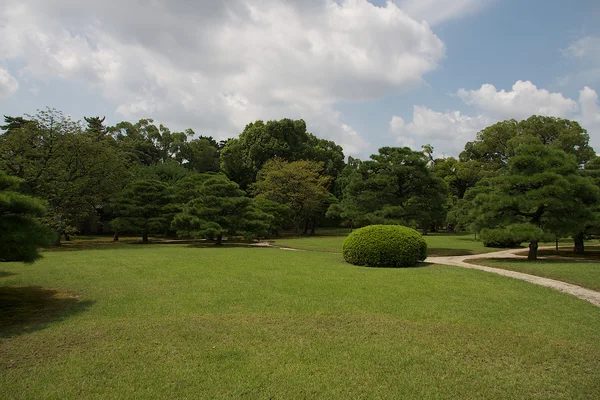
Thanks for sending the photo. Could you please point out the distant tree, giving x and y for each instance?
(13, 123)
(221, 208)
(299, 185)
(73, 170)
(287, 139)
(21, 233)
(497, 143)
(395, 187)
(541, 187)
(200, 155)
(143, 207)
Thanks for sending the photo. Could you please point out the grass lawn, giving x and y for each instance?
(438, 245)
(176, 321)
(582, 273)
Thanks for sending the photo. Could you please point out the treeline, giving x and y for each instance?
(517, 182)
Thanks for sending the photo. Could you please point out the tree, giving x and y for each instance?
(73, 170)
(143, 207)
(395, 187)
(497, 143)
(288, 140)
(542, 188)
(299, 185)
(21, 233)
(200, 155)
(221, 208)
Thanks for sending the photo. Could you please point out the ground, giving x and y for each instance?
(192, 321)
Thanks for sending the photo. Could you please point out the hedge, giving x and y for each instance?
(391, 246)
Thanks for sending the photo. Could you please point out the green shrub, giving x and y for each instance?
(512, 235)
(391, 246)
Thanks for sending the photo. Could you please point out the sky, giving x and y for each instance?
(365, 74)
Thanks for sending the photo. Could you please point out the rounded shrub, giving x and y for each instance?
(387, 246)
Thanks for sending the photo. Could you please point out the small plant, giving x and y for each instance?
(390, 246)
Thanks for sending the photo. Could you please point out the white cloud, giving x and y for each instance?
(583, 58)
(8, 84)
(447, 132)
(524, 100)
(438, 11)
(590, 115)
(215, 66)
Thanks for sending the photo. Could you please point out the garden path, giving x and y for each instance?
(461, 261)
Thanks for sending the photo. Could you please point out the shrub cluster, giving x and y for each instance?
(391, 246)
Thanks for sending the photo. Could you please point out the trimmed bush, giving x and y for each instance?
(386, 246)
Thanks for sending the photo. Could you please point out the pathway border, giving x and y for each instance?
(460, 261)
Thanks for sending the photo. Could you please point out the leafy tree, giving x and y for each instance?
(497, 143)
(299, 185)
(200, 155)
(73, 170)
(541, 187)
(395, 187)
(279, 212)
(221, 208)
(13, 123)
(287, 139)
(135, 140)
(21, 232)
(143, 207)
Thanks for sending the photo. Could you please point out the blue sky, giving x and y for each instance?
(363, 74)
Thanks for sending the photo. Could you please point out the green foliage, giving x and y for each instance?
(542, 187)
(21, 233)
(221, 208)
(385, 246)
(512, 235)
(288, 140)
(72, 169)
(299, 185)
(396, 186)
(143, 207)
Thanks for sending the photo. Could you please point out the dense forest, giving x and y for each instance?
(518, 181)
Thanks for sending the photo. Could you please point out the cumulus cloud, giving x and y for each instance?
(438, 11)
(447, 132)
(524, 100)
(215, 66)
(590, 115)
(8, 84)
(583, 58)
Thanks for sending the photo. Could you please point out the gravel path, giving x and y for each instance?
(460, 261)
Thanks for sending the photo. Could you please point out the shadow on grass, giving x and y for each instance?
(448, 252)
(4, 274)
(32, 308)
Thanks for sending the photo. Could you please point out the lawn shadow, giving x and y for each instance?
(4, 274)
(28, 309)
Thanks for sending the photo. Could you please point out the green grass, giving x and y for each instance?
(582, 273)
(438, 245)
(172, 321)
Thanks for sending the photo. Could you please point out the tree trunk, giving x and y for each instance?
(424, 231)
(67, 237)
(145, 238)
(533, 249)
(116, 237)
(305, 227)
(219, 239)
(313, 227)
(579, 246)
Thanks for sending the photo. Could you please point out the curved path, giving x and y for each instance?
(460, 261)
